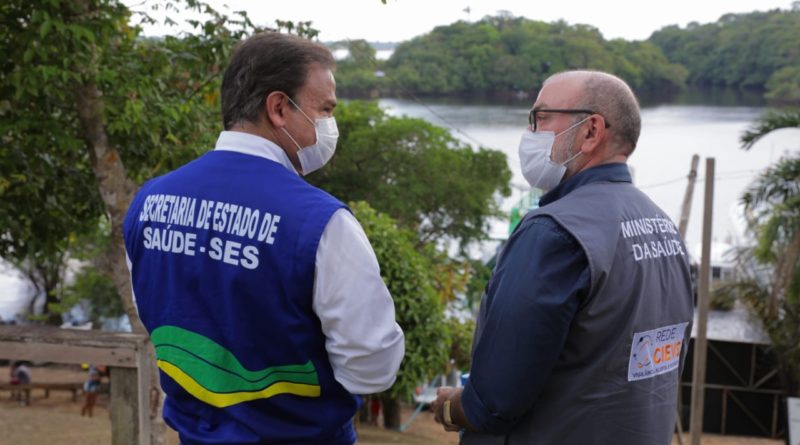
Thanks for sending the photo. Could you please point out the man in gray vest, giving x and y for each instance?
(583, 326)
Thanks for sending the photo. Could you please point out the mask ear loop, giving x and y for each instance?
(568, 129)
(572, 126)
(290, 137)
(300, 110)
(304, 115)
(572, 158)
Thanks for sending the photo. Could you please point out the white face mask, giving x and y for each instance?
(316, 155)
(534, 158)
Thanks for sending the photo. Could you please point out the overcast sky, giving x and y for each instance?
(400, 20)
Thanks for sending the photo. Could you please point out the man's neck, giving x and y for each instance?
(268, 133)
(256, 130)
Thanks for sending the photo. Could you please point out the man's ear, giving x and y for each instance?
(596, 134)
(276, 105)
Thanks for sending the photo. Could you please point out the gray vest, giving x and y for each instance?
(616, 379)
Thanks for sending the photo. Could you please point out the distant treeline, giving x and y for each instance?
(506, 55)
(760, 50)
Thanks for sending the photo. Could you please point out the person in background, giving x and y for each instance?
(374, 410)
(90, 388)
(583, 325)
(20, 375)
(261, 293)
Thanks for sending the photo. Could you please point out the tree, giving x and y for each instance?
(768, 123)
(407, 274)
(739, 50)
(355, 75)
(769, 269)
(783, 87)
(461, 336)
(86, 99)
(416, 173)
(427, 190)
(773, 210)
(93, 109)
(506, 54)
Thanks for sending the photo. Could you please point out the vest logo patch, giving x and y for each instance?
(212, 373)
(656, 351)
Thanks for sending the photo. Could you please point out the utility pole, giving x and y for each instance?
(686, 209)
(700, 342)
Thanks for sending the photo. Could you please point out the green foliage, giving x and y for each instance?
(771, 121)
(769, 270)
(157, 109)
(772, 204)
(461, 335)
(783, 329)
(508, 54)
(739, 50)
(355, 75)
(479, 277)
(98, 290)
(416, 173)
(722, 298)
(157, 113)
(783, 87)
(419, 311)
(46, 187)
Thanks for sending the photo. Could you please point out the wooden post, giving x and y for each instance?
(686, 208)
(124, 353)
(700, 351)
(124, 407)
(145, 356)
(683, 224)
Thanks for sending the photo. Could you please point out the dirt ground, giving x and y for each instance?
(57, 421)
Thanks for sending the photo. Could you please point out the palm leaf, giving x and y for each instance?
(771, 121)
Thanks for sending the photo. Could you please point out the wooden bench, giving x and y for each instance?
(47, 387)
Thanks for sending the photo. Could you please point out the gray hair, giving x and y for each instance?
(264, 63)
(611, 97)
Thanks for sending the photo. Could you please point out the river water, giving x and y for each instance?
(709, 126)
(671, 134)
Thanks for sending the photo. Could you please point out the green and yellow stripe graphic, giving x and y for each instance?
(214, 375)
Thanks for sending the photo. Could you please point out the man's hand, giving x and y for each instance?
(443, 394)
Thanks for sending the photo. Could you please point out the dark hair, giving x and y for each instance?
(264, 63)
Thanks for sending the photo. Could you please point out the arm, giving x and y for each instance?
(533, 295)
(364, 343)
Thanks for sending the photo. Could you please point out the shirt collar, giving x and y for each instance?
(614, 172)
(253, 145)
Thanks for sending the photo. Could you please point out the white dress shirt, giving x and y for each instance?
(364, 342)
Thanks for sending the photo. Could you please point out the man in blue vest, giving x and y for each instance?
(261, 293)
(583, 326)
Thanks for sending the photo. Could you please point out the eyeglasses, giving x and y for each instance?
(533, 117)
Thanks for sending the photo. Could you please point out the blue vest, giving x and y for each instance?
(223, 254)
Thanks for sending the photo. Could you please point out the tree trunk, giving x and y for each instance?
(45, 273)
(53, 318)
(117, 192)
(785, 267)
(391, 413)
(115, 188)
